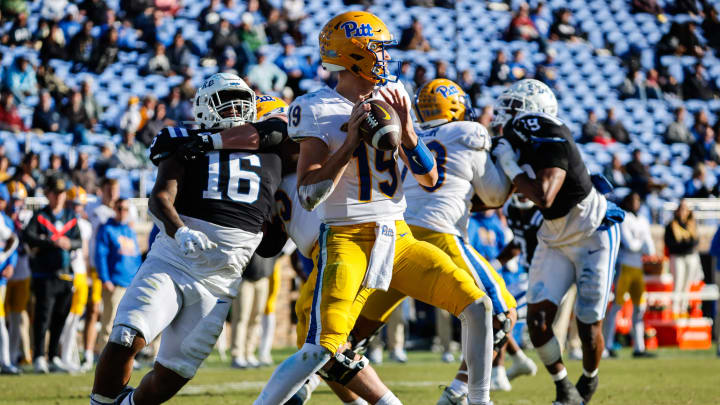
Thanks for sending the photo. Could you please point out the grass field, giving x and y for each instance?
(675, 377)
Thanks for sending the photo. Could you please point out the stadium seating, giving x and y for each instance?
(587, 79)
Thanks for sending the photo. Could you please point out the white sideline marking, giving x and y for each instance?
(256, 385)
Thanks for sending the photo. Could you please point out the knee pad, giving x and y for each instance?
(123, 335)
(344, 367)
(549, 352)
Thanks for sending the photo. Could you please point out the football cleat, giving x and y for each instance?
(398, 356)
(41, 365)
(448, 357)
(302, 396)
(450, 397)
(521, 366)
(587, 386)
(566, 393)
(239, 362)
(499, 380)
(9, 369)
(376, 355)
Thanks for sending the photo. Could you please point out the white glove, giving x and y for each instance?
(507, 158)
(191, 241)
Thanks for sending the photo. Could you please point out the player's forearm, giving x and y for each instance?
(161, 205)
(332, 169)
(242, 137)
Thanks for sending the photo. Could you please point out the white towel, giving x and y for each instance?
(382, 256)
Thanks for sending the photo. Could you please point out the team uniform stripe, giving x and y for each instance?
(315, 327)
(483, 271)
(176, 133)
(613, 234)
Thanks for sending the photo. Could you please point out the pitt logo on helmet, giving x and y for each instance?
(353, 30)
(447, 91)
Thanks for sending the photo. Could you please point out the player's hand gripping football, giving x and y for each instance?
(402, 106)
(193, 242)
(359, 113)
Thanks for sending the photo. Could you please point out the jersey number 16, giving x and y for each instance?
(235, 177)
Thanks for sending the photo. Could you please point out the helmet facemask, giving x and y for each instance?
(232, 107)
(381, 68)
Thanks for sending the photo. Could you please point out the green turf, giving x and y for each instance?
(675, 377)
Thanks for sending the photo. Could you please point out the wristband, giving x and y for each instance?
(420, 159)
(216, 141)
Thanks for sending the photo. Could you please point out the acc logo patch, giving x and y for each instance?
(263, 99)
(352, 29)
(447, 91)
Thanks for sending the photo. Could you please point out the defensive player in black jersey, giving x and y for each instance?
(579, 238)
(210, 206)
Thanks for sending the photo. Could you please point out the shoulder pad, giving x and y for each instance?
(540, 127)
(474, 136)
(302, 123)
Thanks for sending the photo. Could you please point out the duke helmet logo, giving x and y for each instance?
(447, 91)
(353, 30)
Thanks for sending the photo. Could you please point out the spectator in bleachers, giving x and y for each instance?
(616, 174)
(472, 87)
(650, 7)
(51, 235)
(692, 7)
(117, 259)
(546, 71)
(275, 27)
(680, 39)
(615, 128)
(4, 167)
(155, 124)
(522, 26)
(704, 150)
(678, 131)
(28, 173)
(48, 80)
(591, 129)
(630, 87)
(83, 175)
(651, 86)
(53, 45)
(696, 85)
(695, 187)
(541, 16)
(147, 111)
(563, 29)
(499, 70)
(149, 24)
(107, 159)
(80, 47)
(412, 37)
(134, 8)
(90, 104)
(681, 241)
(158, 64)
(295, 67)
(700, 122)
(266, 75)
(187, 88)
(670, 87)
(130, 119)
(77, 121)
(20, 79)
(131, 153)
(10, 119)
(178, 108)
(223, 37)
(179, 54)
(105, 52)
(209, 17)
(420, 76)
(252, 35)
(19, 33)
(441, 69)
(110, 21)
(518, 67)
(293, 11)
(711, 23)
(45, 117)
(170, 7)
(95, 10)
(71, 23)
(639, 174)
(55, 168)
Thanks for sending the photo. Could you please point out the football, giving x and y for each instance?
(381, 128)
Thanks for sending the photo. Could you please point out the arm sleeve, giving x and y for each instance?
(33, 237)
(101, 254)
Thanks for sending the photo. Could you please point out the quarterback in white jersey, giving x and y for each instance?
(364, 243)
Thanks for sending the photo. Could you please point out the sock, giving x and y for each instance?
(4, 344)
(68, 340)
(458, 386)
(476, 321)
(89, 356)
(590, 374)
(500, 371)
(358, 401)
(128, 400)
(97, 399)
(638, 328)
(609, 326)
(292, 373)
(268, 333)
(560, 375)
(389, 399)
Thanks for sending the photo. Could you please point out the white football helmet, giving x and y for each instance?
(224, 101)
(527, 95)
(519, 201)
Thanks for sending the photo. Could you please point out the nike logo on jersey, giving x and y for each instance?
(403, 234)
(590, 252)
(221, 302)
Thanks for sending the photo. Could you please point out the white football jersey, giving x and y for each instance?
(301, 225)
(370, 189)
(462, 156)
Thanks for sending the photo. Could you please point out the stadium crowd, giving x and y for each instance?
(101, 250)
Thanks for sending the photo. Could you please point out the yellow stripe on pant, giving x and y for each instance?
(420, 270)
(381, 304)
(631, 280)
(80, 294)
(275, 279)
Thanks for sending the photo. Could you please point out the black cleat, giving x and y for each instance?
(644, 355)
(123, 394)
(587, 386)
(566, 393)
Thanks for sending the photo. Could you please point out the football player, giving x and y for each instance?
(210, 206)
(636, 242)
(579, 238)
(364, 242)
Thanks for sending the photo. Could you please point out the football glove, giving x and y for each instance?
(271, 131)
(198, 146)
(507, 158)
(192, 242)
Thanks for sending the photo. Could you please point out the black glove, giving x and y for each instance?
(272, 132)
(198, 146)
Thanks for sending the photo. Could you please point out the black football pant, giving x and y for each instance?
(52, 305)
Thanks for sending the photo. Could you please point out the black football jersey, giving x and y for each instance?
(231, 188)
(544, 142)
(524, 224)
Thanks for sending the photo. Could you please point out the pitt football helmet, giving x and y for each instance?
(527, 95)
(442, 101)
(77, 195)
(356, 41)
(270, 105)
(17, 190)
(224, 101)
